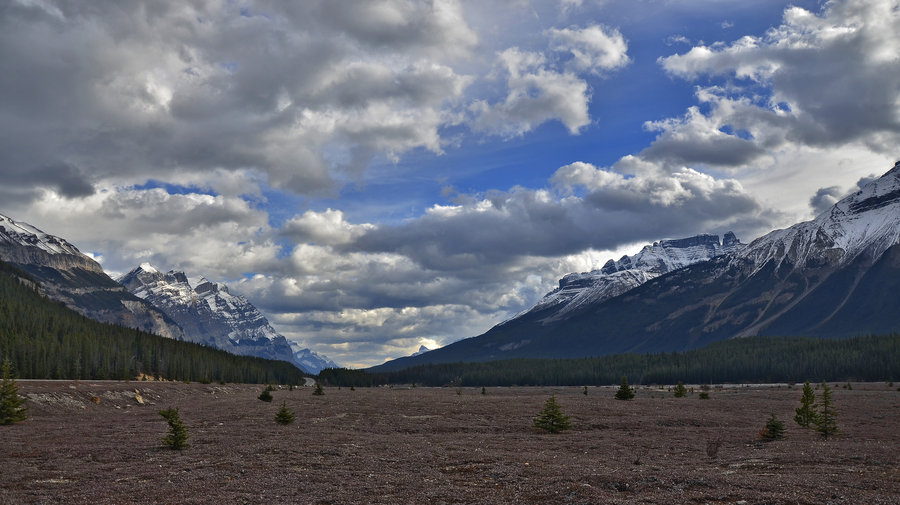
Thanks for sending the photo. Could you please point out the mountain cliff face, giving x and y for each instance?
(68, 276)
(834, 276)
(213, 316)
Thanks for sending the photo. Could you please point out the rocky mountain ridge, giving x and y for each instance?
(72, 278)
(617, 277)
(210, 314)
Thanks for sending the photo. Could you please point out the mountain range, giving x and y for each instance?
(834, 276)
(166, 304)
(72, 278)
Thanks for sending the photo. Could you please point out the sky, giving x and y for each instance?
(380, 175)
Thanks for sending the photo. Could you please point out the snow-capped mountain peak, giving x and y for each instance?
(212, 315)
(864, 222)
(616, 277)
(27, 235)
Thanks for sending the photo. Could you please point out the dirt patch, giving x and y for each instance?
(432, 445)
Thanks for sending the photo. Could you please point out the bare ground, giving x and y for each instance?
(442, 445)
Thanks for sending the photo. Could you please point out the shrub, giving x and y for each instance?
(680, 390)
(177, 436)
(703, 395)
(11, 404)
(284, 415)
(774, 429)
(625, 392)
(483, 391)
(551, 418)
(318, 391)
(806, 412)
(265, 396)
(585, 391)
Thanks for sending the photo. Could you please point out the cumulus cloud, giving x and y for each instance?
(306, 94)
(594, 49)
(827, 79)
(200, 233)
(541, 88)
(536, 94)
(609, 209)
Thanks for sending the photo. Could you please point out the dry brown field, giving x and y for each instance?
(91, 442)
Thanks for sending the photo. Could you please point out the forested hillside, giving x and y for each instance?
(755, 359)
(46, 340)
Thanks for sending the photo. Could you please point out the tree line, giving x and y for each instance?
(44, 339)
(750, 360)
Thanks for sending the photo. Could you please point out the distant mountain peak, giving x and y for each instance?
(212, 315)
(578, 290)
(147, 267)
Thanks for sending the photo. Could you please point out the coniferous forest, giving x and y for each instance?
(46, 340)
(751, 360)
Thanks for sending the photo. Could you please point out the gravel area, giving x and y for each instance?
(94, 442)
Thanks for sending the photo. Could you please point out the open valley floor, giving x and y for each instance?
(97, 442)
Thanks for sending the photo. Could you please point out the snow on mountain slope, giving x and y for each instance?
(212, 315)
(864, 222)
(27, 235)
(23, 243)
(616, 277)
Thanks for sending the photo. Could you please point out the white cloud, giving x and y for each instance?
(594, 49)
(830, 78)
(536, 94)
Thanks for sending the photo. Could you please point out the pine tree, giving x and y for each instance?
(680, 390)
(265, 396)
(625, 391)
(552, 418)
(825, 421)
(806, 412)
(177, 436)
(284, 415)
(585, 391)
(774, 429)
(11, 404)
(318, 391)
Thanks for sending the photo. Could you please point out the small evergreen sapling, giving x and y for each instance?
(625, 391)
(806, 412)
(265, 396)
(318, 391)
(774, 429)
(11, 404)
(284, 415)
(177, 436)
(825, 422)
(551, 418)
(680, 390)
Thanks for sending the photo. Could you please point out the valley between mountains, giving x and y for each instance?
(441, 445)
